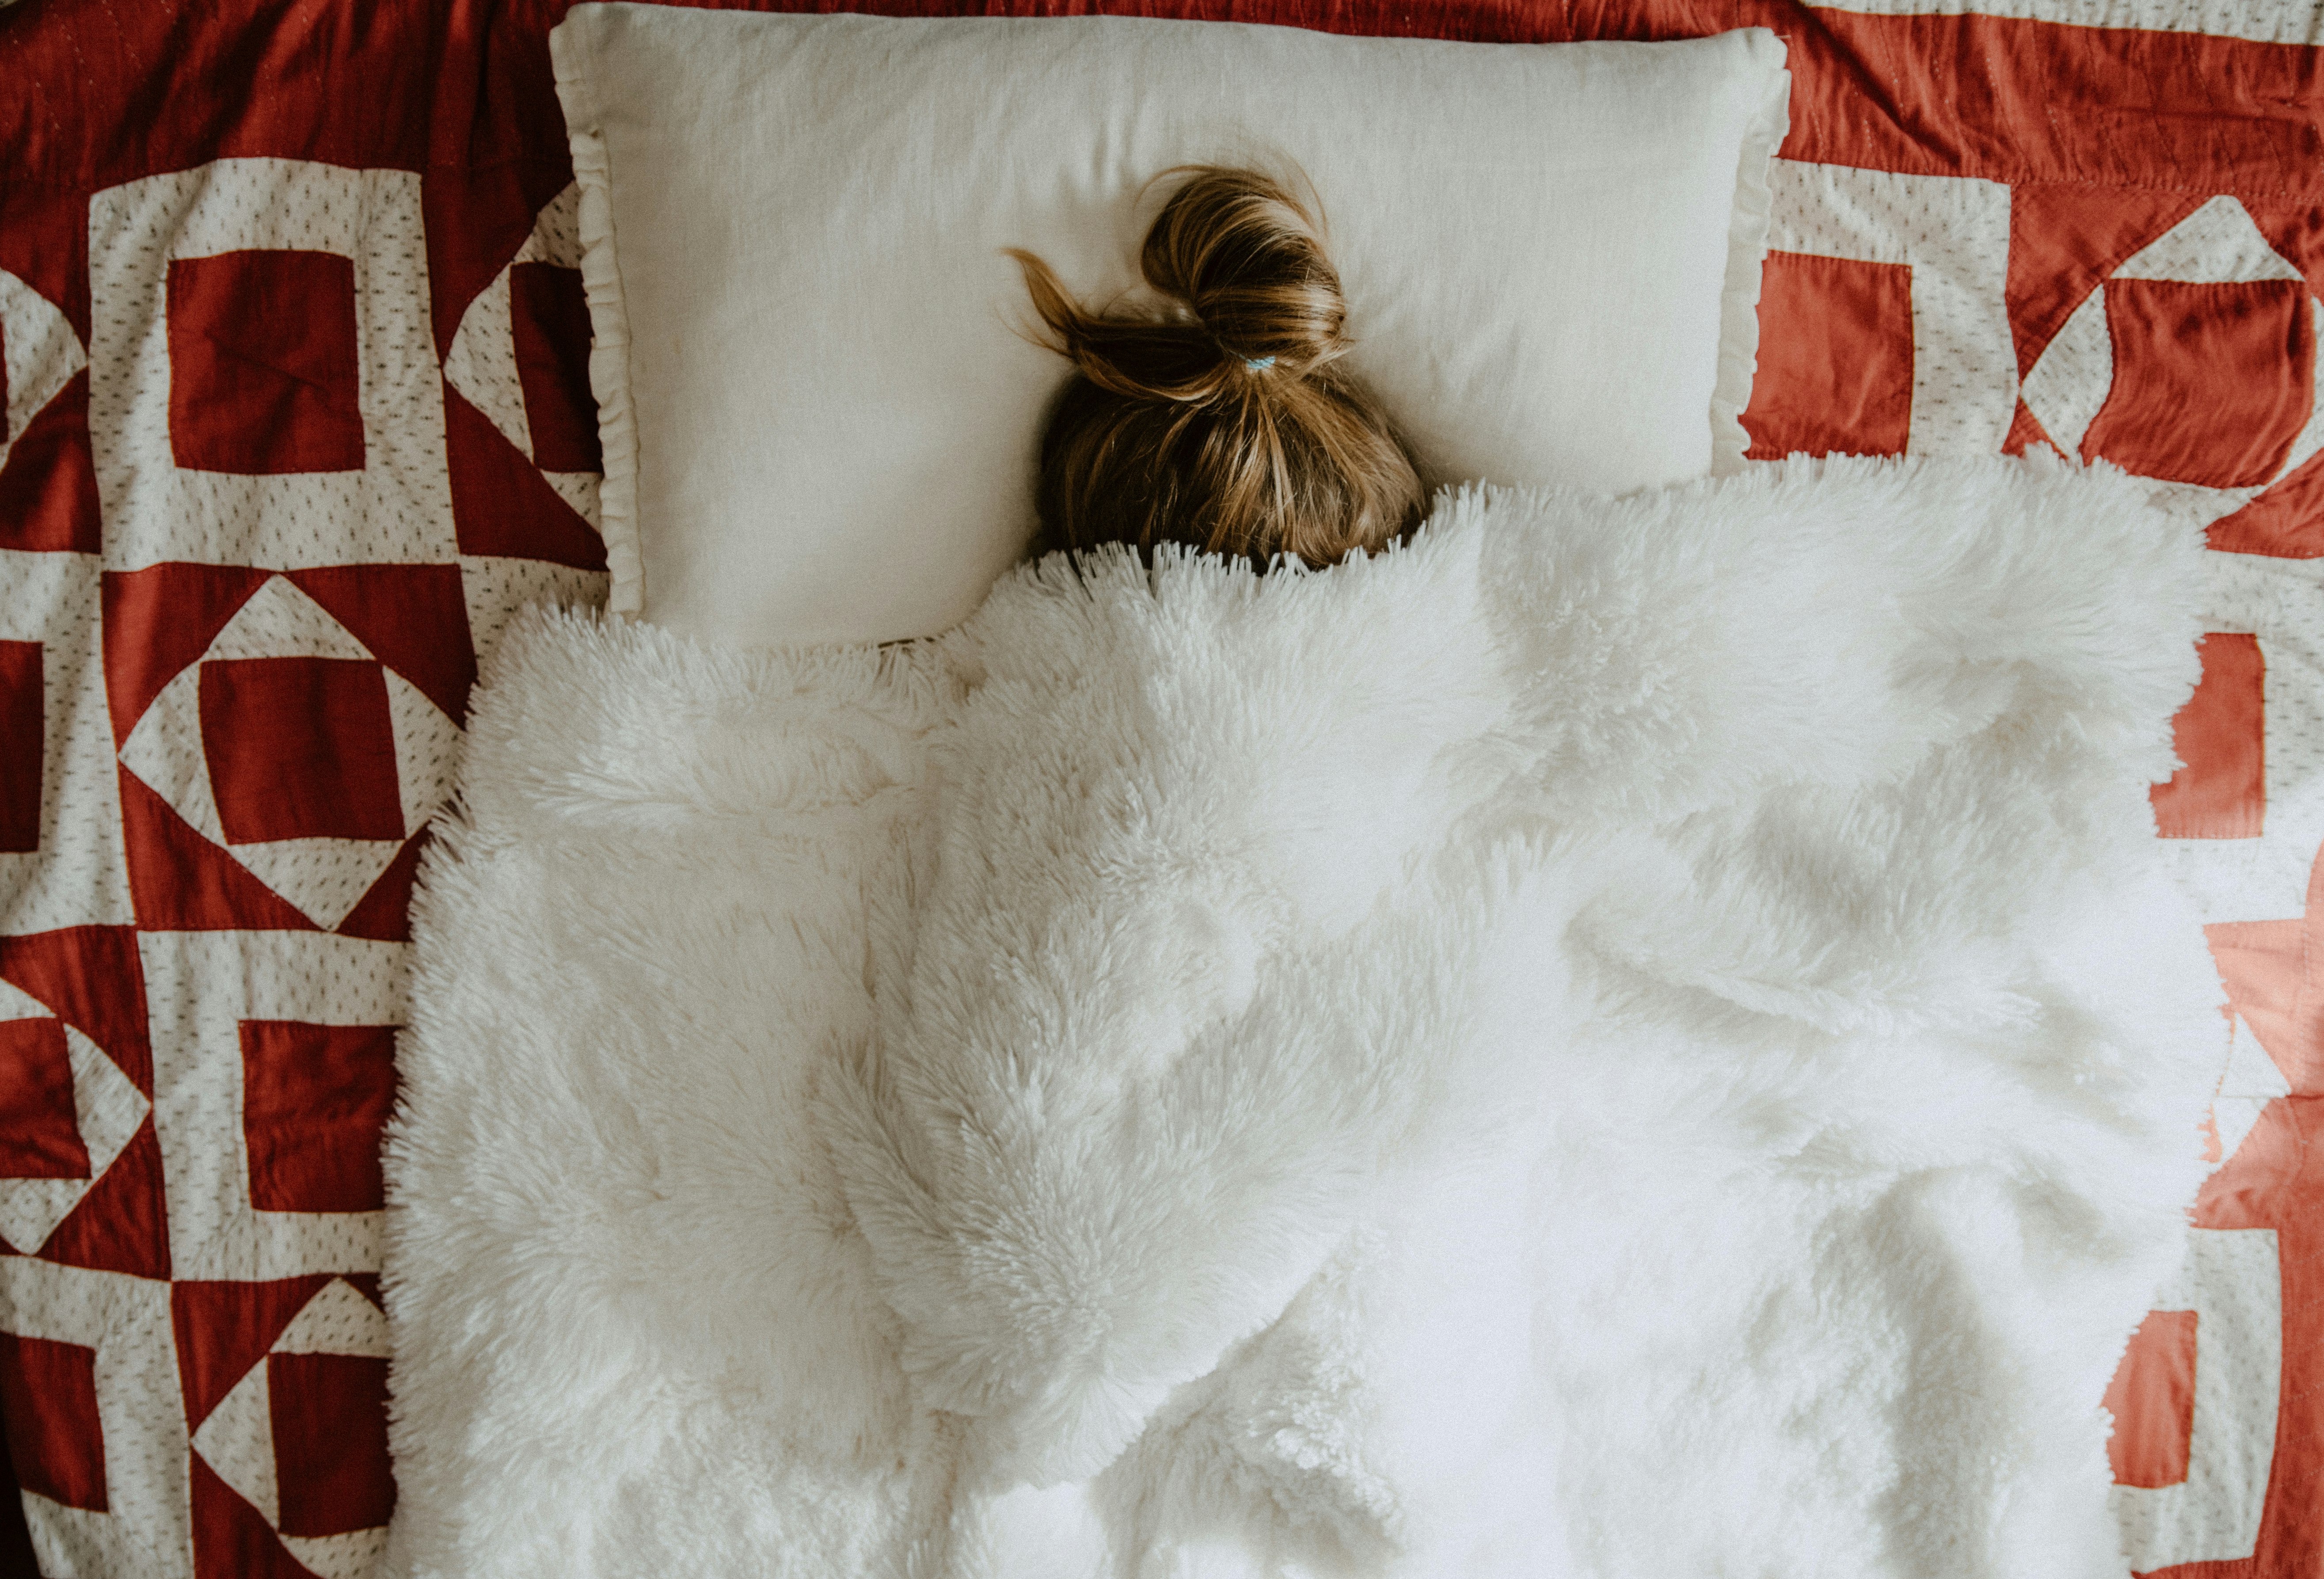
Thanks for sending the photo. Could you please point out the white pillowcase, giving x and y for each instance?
(820, 420)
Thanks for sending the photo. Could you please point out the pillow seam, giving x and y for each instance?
(1750, 227)
(600, 284)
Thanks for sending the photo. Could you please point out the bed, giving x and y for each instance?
(2087, 223)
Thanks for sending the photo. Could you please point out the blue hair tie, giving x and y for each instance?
(1259, 364)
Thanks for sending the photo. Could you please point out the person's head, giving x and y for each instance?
(1225, 420)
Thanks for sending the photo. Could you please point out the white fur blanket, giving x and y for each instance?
(1633, 1038)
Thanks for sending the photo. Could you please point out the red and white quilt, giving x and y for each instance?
(294, 412)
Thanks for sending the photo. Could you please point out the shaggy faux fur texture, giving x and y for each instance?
(1624, 1038)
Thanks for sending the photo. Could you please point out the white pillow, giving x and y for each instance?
(819, 423)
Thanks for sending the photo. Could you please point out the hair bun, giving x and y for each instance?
(1244, 259)
(1223, 421)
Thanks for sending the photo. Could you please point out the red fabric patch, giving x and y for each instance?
(224, 1329)
(48, 490)
(330, 1442)
(2221, 736)
(159, 620)
(24, 730)
(232, 1539)
(2265, 967)
(551, 316)
(40, 1126)
(501, 506)
(2016, 101)
(1835, 358)
(413, 618)
(129, 91)
(478, 219)
(2025, 430)
(383, 911)
(44, 225)
(300, 748)
(48, 1400)
(2286, 522)
(121, 1224)
(2153, 1401)
(2294, 229)
(263, 376)
(180, 881)
(2275, 1181)
(2064, 239)
(91, 978)
(2211, 383)
(314, 1099)
(16, 1554)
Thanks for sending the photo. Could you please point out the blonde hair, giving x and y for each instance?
(1225, 420)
